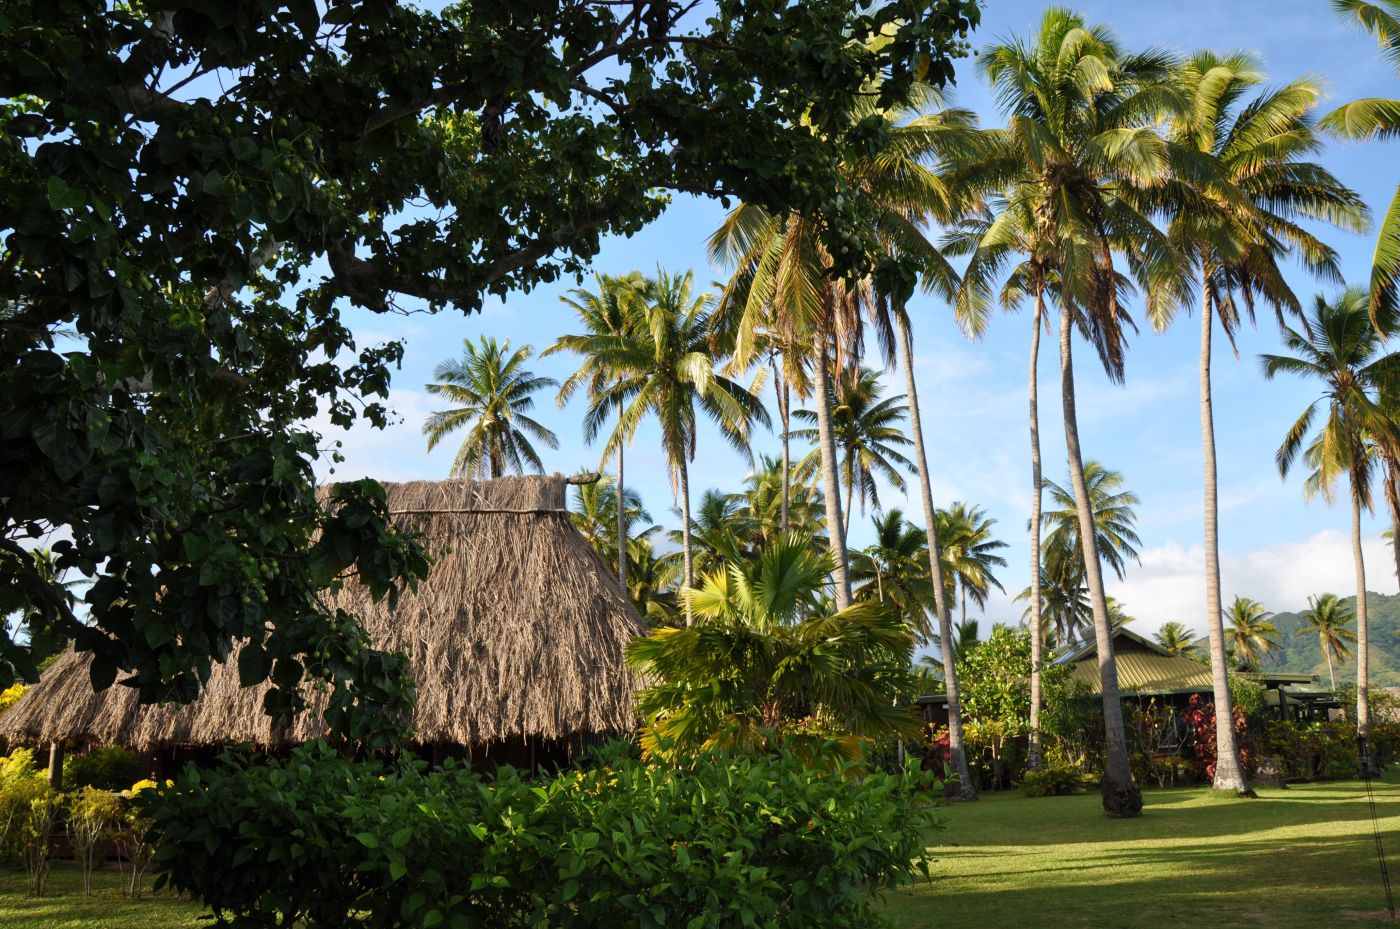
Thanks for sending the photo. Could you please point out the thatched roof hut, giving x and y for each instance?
(516, 636)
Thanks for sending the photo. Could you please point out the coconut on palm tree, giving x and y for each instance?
(1339, 349)
(605, 314)
(1327, 617)
(868, 437)
(492, 393)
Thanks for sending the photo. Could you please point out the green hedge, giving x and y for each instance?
(318, 841)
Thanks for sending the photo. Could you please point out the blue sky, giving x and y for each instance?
(1275, 547)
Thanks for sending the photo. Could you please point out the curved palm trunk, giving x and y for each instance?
(1392, 499)
(1121, 797)
(835, 526)
(1033, 751)
(1331, 675)
(686, 554)
(621, 512)
(1363, 645)
(957, 752)
(846, 509)
(1229, 773)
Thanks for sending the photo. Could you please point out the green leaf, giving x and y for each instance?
(254, 664)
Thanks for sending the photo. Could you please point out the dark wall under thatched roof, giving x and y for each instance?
(518, 632)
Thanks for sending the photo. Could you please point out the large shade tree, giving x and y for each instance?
(199, 191)
(492, 393)
(1340, 352)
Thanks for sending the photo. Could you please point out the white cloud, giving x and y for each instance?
(395, 453)
(1170, 582)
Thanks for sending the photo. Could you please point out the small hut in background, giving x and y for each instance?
(515, 641)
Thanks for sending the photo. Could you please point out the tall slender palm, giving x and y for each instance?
(1081, 138)
(968, 550)
(1377, 118)
(868, 436)
(1233, 227)
(1178, 640)
(1327, 617)
(492, 391)
(1114, 520)
(605, 314)
(1341, 349)
(894, 570)
(667, 362)
(1249, 633)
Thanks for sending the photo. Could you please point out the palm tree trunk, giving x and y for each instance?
(1331, 675)
(686, 554)
(1033, 753)
(784, 408)
(831, 492)
(1229, 773)
(1363, 645)
(1121, 797)
(621, 511)
(957, 752)
(846, 510)
(1392, 499)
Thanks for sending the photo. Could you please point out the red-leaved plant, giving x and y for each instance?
(1200, 715)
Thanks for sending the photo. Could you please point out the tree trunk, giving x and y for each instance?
(1331, 675)
(831, 492)
(1121, 797)
(1229, 773)
(686, 554)
(784, 408)
(621, 510)
(1392, 499)
(846, 509)
(1033, 751)
(1363, 646)
(56, 765)
(957, 752)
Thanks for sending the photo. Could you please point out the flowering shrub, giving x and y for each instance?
(729, 841)
(1200, 715)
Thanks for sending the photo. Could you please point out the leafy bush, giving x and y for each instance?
(1053, 780)
(732, 840)
(1309, 750)
(28, 810)
(20, 764)
(10, 696)
(110, 767)
(93, 818)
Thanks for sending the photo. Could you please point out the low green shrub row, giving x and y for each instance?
(1054, 780)
(730, 840)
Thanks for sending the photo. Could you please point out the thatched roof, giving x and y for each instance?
(518, 631)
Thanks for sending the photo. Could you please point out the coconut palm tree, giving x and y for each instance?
(1339, 348)
(595, 515)
(868, 437)
(1081, 139)
(1232, 227)
(492, 391)
(1114, 520)
(773, 506)
(1178, 640)
(1327, 617)
(666, 363)
(604, 314)
(1249, 634)
(764, 654)
(1376, 118)
(968, 551)
(894, 570)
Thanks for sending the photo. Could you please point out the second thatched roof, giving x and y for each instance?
(517, 632)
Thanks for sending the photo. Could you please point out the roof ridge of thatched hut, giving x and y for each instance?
(518, 631)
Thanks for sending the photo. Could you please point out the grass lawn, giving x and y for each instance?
(64, 907)
(1302, 857)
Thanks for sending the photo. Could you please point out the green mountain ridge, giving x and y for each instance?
(1303, 654)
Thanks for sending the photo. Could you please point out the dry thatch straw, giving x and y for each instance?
(517, 632)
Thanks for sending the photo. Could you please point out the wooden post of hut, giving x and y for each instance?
(56, 764)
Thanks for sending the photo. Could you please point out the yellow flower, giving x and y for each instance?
(145, 784)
